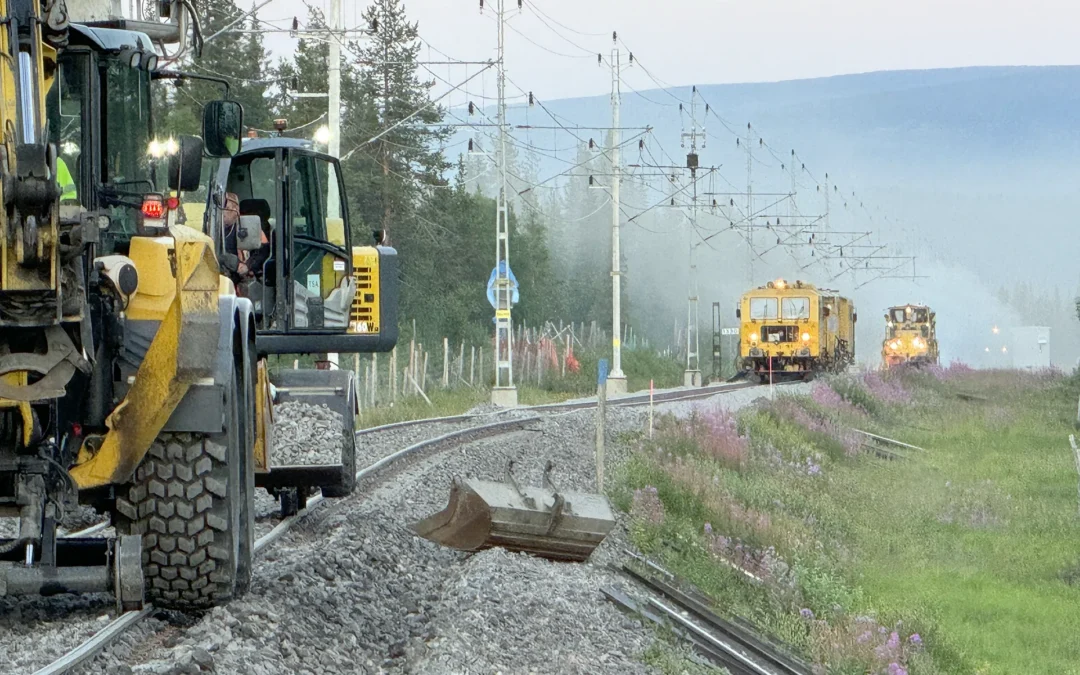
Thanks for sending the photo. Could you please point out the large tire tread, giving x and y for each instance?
(178, 502)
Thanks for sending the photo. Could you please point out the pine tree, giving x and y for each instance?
(236, 57)
(409, 150)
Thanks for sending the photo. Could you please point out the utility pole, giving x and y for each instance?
(385, 142)
(616, 380)
(692, 375)
(504, 393)
(332, 197)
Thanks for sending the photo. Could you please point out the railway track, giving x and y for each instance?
(379, 471)
(733, 645)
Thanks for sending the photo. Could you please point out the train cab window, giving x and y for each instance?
(898, 315)
(795, 308)
(920, 315)
(763, 308)
(322, 282)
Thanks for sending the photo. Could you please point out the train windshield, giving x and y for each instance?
(919, 315)
(897, 315)
(795, 308)
(763, 308)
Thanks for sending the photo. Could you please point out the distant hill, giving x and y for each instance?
(982, 161)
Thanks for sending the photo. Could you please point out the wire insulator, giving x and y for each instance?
(531, 100)
(472, 108)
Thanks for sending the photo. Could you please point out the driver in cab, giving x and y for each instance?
(241, 265)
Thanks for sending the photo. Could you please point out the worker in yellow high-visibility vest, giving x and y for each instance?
(68, 193)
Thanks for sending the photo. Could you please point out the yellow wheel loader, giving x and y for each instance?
(131, 369)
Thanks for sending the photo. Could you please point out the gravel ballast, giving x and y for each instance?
(306, 435)
(351, 590)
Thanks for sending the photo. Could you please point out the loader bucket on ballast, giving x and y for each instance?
(541, 521)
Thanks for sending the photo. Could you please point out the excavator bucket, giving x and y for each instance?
(542, 521)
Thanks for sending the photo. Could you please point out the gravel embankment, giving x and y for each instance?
(351, 590)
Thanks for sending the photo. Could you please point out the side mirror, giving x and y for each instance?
(854, 317)
(888, 318)
(185, 167)
(738, 313)
(222, 123)
(247, 233)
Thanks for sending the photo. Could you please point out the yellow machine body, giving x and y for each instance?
(365, 307)
(25, 268)
(795, 328)
(910, 336)
(180, 289)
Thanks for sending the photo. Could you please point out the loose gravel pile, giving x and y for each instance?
(513, 613)
(306, 435)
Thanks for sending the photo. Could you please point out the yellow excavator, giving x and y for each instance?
(133, 372)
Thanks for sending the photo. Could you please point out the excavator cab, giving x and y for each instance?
(313, 289)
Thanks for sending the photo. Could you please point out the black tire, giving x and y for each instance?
(190, 501)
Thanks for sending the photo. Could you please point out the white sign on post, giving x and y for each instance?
(729, 331)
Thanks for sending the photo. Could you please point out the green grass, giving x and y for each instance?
(973, 543)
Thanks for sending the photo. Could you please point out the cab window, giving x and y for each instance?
(795, 308)
(763, 308)
(323, 288)
(898, 315)
(304, 208)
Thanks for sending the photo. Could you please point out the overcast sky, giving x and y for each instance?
(687, 42)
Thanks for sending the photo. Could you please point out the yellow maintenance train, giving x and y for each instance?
(792, 331)
(910, 336)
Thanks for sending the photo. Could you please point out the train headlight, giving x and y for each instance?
(895, 344)
(806, 337)
(919, 344)
(753, 337)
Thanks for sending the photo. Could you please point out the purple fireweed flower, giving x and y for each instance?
(806, 613)
(915, 640)
(897, 669)
(894, 640)
(864, 637)
(708, 528)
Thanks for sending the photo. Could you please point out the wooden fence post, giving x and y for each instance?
(445, 363)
